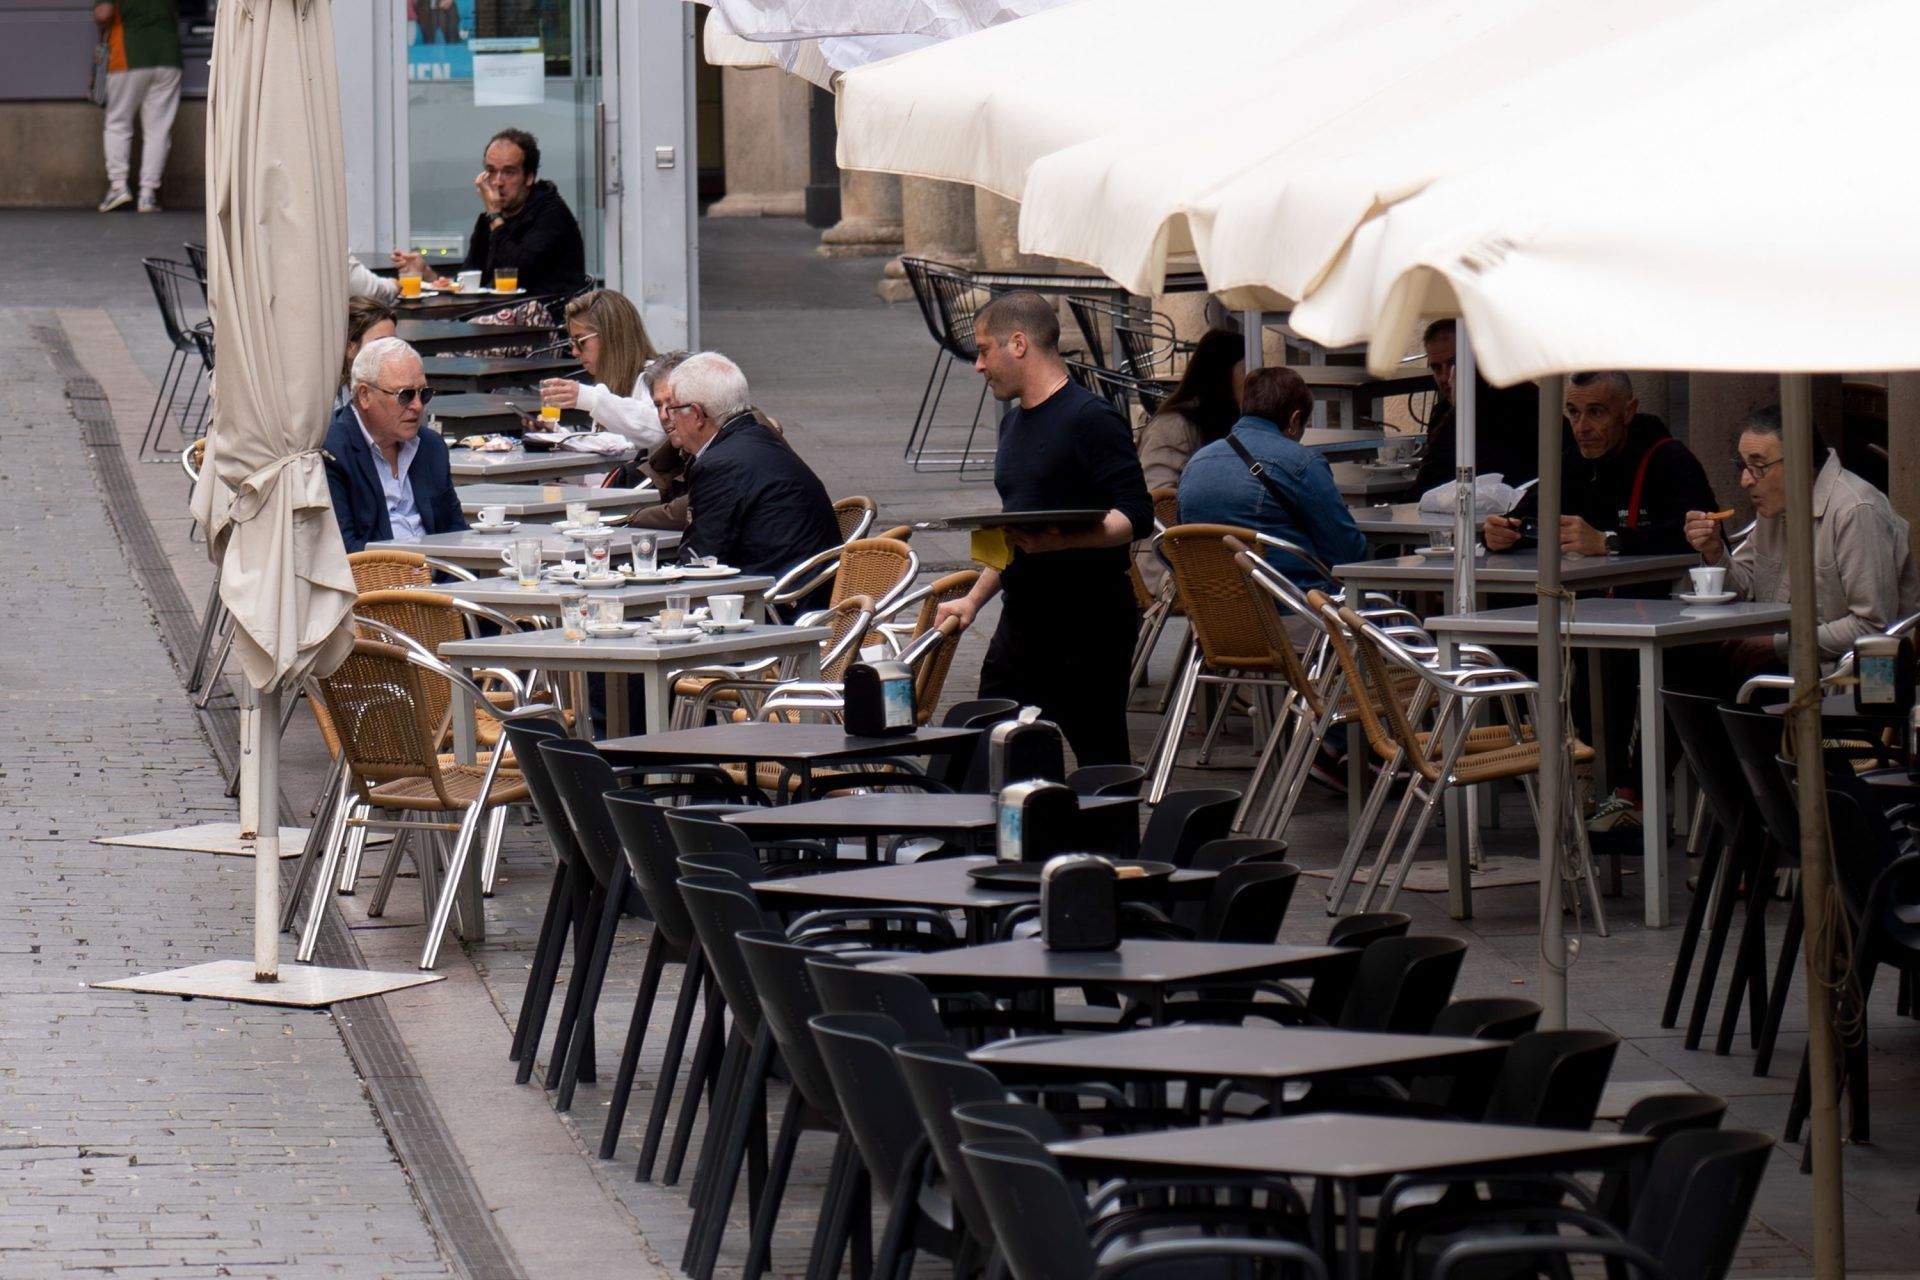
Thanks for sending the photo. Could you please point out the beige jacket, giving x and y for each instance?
(1861, 561)
(1166, 443)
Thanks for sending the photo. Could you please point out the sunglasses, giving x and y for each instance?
(407, 395)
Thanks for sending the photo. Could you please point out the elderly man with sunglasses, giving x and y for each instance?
(389, 479)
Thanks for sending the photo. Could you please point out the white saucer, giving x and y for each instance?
(708, 571)
(1725, 597)
(502, 293)
(1386, 468)
(1431, 550)
(507, 527)
(654, 578)
(607, 631)
(576, 531)
(677, 633)
(711, 627)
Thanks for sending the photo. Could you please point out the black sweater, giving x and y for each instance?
(1506, 437)
(1597, 489)
(540, 237)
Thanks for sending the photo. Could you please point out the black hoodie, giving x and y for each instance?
(1598, 489)
(540, 237)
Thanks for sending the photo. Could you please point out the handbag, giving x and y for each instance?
(97, 80)
(1258, 471)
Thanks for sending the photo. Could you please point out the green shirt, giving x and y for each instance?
(145, 33)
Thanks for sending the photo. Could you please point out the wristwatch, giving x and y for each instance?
(1612, 539)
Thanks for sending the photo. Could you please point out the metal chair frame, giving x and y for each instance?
(947, 299)
(168, 280)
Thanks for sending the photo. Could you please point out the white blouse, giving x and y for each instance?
(633, 417)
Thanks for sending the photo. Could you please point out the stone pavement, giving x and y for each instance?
(843, 373)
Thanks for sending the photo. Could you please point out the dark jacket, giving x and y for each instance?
(540, 237)
(1598, 489)
(755, 505)
(1506, 437)
(359, 502)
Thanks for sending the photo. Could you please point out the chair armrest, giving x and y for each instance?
(460, 572)
(1534, 1246)
(1401, 1184)
(1164, 1251)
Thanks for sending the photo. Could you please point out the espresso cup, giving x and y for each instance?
(1709, 579)
(491, 515)
(726, 608)
(469, 281)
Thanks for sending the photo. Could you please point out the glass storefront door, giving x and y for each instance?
(475, 67)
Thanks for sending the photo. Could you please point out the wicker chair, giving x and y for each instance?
(1229, 647)
(856, 516)
(882, 568)
(378, 704)
(925, 600)
(1156, 606)
(1453, 753)
(848, 623)
(948, 300)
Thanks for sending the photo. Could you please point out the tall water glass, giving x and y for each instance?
(646, 553)
(573, 614)
(523, 557)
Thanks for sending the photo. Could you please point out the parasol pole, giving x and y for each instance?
(1551, 720)
(266, 845)
(1829, 1213)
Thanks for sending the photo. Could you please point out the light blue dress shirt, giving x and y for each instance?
(402, 515)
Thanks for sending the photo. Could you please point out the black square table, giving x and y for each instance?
(1147, 968)
(965, 819)
(453, 337)
(1268, 1056)
(940, 883)
(804, 747)
(1346, 1150)
(480, 374)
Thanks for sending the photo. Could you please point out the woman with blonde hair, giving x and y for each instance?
(367, 319)
(607, 335)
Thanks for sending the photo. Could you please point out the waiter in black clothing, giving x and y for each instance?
(1068, 617)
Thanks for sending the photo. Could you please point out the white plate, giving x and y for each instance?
(677, 633)
(655, 578)
(1385, 468)
(502, 293)
(508, 527)
(708, 571)
(580, 531)
(607, 631)
(1725, 597)
(725, 628)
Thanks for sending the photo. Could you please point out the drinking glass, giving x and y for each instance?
(598, 547)
(674, 612)
(579, 514)
(608, 611)
(524, 558)
(409, 284)
(506, 279)
(646, 553)
(573, 614)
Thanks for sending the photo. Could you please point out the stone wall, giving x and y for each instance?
(55, 159)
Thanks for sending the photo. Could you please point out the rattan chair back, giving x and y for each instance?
(856, 515)
(899, 533)
(427, 617)
(1273, 625)
(1213, 595)
(1166, 506)
(1385, 692)
(386, 570)
(873, 567)
(847, 622)
(930, 679)
(377, 702)
(1374, 710)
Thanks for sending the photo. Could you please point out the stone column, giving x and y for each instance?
(869, 223)
(1903, 450)
(938, 219)
(764, 124)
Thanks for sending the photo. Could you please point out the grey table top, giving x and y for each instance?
(482, 550)
(1511, 570)
(1355, 480)
(497, 370)
(461, 413)
(934, 882)
(1339, 442)
(505, 593)
(893, 813)
(551, 650)
(1135, 963)
(519, 463)
(523, 500)
(418, 331)
(1404, 519)
(1333, 1145)
(1625, 621)
(1356, 376)
(1269, 1053)
(763, 740)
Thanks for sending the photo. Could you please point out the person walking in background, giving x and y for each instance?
(143, 79)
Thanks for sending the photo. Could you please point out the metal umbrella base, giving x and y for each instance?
(301, 986)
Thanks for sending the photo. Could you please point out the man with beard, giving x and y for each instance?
(524, 223)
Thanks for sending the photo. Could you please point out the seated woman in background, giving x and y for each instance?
(1203, 408)
(367, 319)
(611, 342)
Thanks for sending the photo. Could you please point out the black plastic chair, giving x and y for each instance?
(1183, 821)
(948, 299)
(1686, 1222)
(788, 999)
(645, 839)
(850, 988)
(956, 771)
(859, 1052)
(566, 900)
(1247, 902)
(992, 1121)
(939, 1079)
(1368, 927)
(173, 284)
(1040, 1222)
(1755, 739)
(1728, 861)
(197, 259)
(1107, 780)
(1218, 855)
(703, 831)
(1487, 1018)
(581, 777)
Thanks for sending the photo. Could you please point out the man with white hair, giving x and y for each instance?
(389, 478)
(753, 503)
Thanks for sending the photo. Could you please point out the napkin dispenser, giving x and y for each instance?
(1885, 668)
(1079, 904)
(1025, 748)
(879, 700)
(1035, 820)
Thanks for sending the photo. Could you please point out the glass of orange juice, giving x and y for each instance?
(409, 284)
(506, 279)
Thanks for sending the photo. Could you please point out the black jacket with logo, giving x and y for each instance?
(1599, 489)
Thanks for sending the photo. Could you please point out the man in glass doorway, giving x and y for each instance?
(524, 230)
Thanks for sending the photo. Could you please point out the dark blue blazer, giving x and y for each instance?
(360, 504)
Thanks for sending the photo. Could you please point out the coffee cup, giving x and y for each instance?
(1709, 579)
(726, 609)
(493, 515)
(469, 281)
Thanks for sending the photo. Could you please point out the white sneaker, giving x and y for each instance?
(149, 202)
(118, 198)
